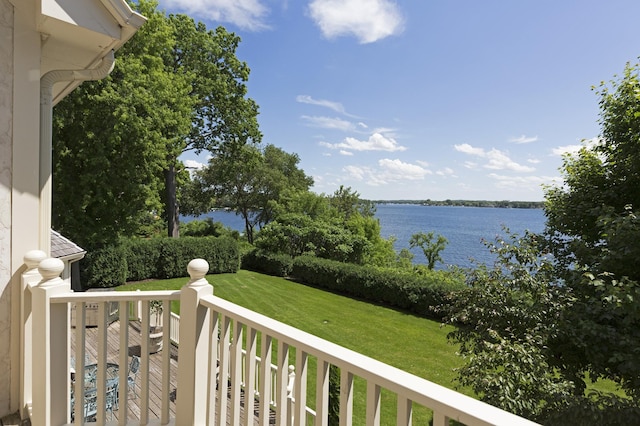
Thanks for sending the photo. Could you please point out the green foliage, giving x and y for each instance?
(103, 268)
(111, 139)
(341, 227)
(176, 253)
(404, 259)
(334, 396)
(507, 323)
(347, 202)
(176, 86)
(419, 294)
(249, 179)
(430, 248)
(594, 233)
(295, 235)
(596, 408)
(207, 228)
(141, 259)
(279, 265)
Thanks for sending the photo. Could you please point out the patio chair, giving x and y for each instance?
(112, 399)
(134, 367)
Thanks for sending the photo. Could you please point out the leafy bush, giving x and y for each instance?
(420, 294)
(207, 228)
(160, 258)
(141, 255)
(257, 260)
(596, 408)
(104, 268)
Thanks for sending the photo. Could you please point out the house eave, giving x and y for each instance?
(76, 38)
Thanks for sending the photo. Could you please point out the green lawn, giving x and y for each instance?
(414, 344)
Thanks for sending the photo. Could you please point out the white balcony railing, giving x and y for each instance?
(214, 336)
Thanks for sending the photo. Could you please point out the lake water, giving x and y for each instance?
(464, 227)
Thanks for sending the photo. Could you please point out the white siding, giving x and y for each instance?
(6, 137)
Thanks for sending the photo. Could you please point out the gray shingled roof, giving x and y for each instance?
(63, 248)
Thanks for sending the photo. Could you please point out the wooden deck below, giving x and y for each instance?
(155, 369)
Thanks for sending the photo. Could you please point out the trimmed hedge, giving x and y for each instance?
(415, 293)
(257, 260)
(157, 258)
(106, 267)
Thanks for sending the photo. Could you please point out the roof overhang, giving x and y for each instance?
(76, 35)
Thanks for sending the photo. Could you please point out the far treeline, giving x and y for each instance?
(503, 204)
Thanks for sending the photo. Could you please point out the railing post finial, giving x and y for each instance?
(33, 258)
(197, 270)
(50, 269)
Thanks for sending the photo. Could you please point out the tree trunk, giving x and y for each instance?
(173, 215)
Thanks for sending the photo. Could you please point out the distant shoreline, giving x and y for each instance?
(505, 204)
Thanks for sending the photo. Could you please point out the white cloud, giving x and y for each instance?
(329, 123)
(573, 149)
(246, 14)
(468, 149)
(399, 170)
(357, 173)
(496, 159)
(566, 149)
(367, 20)
(347, 153)
(336, 106)
(376, 142)
(532, 183)
(523, 139)
(193, 164)
(388, 171)
(446, 172)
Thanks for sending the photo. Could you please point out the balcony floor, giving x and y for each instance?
(155, 360)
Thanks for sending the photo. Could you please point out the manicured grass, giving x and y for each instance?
(413, 344)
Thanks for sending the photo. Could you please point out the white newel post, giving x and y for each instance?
(50, 347)
(193, 368)
(30, 278)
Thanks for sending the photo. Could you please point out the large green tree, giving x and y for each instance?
(177, 87)
(430, 247)
(341, 227)
(111, 140)
(248, 179)
(594, 232)
(224, 117)
(506, 323)
(562, 308)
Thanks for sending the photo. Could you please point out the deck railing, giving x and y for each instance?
(215, 336)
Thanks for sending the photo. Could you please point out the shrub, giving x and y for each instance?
(257, 260)
(420, 294)
(159, 258)
(141, 255)
(104, 268)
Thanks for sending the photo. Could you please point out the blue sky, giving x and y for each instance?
(427, 99)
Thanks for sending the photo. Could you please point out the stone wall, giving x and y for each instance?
(6, 143)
